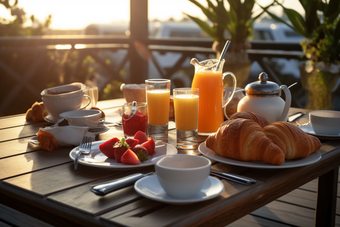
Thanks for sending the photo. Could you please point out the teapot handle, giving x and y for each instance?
(225, 96)
(288, 102)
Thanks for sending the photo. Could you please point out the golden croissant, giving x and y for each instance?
(261, 120)
(294, 142)
(245, 140)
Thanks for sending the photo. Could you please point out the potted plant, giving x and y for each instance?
(237, 22)
(321, 27)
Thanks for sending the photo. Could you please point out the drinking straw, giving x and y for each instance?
(225, 48)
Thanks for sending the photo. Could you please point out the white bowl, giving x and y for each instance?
(182, 176)
(326, 122)
(67, 91)
(82, 117)
(57, 106)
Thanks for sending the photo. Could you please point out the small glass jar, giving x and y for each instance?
(133, 123)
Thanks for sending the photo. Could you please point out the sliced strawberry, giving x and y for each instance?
(132, 142)
(119, 149)
(141, 152)
(150, 146)
(141, 136)
(107, 147)
(130, 158)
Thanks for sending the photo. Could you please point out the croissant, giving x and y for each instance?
(245, 140)
(47, 140)
(261, 120)
(294, 142)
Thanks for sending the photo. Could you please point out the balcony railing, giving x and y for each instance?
(135, 65)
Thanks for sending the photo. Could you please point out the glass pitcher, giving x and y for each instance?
(209, 79)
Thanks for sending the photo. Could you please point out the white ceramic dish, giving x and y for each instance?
(150, 188)
(309, 130)
(260, 165)
(89, 118)
(99, 160)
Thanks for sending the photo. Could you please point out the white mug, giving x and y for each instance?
(57, 106)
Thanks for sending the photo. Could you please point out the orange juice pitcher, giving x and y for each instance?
(214, 94)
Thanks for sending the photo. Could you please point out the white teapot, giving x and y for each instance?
(263, 97)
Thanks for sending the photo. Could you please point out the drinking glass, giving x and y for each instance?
(158, 102)
(186, 101)
(133, 123)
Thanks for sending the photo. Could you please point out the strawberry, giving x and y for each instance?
(130, 158)
(107, 147)
(132, 142)
(141, 136)
(119, 149)
(141, 152)
(150, 146)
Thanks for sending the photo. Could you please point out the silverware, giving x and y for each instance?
(295, 116)
(84, 148)
(233, 177)
(106, 188)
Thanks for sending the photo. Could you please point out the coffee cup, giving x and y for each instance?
(57, 106)
(182, 176)
(325, 122)
(67, 91)
(89, 118)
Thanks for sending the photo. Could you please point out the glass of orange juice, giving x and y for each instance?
(158, 102)
(186, 101)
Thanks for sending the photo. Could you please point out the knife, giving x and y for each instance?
(233, 177)
(295, 116)
(104, 189)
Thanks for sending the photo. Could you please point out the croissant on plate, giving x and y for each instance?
(261, 120)
(245, 140)
(294, 142)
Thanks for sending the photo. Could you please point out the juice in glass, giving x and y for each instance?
(186, 111)
(186, 102)
(158, 106)
(210, 85)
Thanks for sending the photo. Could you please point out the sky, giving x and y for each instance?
(77, 14)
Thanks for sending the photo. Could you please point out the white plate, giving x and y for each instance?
(316, 156)
(97, 131)
(150, 188)
(309, 130)
(98, 159)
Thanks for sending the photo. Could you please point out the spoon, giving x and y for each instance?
(225, 48)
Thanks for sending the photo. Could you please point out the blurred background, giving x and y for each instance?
(46, 43)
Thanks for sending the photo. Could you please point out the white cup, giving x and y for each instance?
(57, 106)
(326, 122)
(82, 117)
(64, 91)
(182, 176)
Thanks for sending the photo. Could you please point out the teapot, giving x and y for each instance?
(263, 97)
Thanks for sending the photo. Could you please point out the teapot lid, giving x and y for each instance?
(263, 86)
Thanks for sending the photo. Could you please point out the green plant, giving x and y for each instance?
(238, 21)
(320, 27)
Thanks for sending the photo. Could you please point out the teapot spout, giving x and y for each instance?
(194, 61)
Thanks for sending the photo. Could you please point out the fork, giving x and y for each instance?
(84, 148)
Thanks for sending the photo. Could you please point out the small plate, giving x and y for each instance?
(312, 158)
(51, 119)
(150, 188)
(309, 130)
(98, 159)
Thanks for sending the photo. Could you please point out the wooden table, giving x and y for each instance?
(45, 186)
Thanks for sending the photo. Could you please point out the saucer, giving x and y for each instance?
(51, 119)
(309, 130)
(150, 188)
